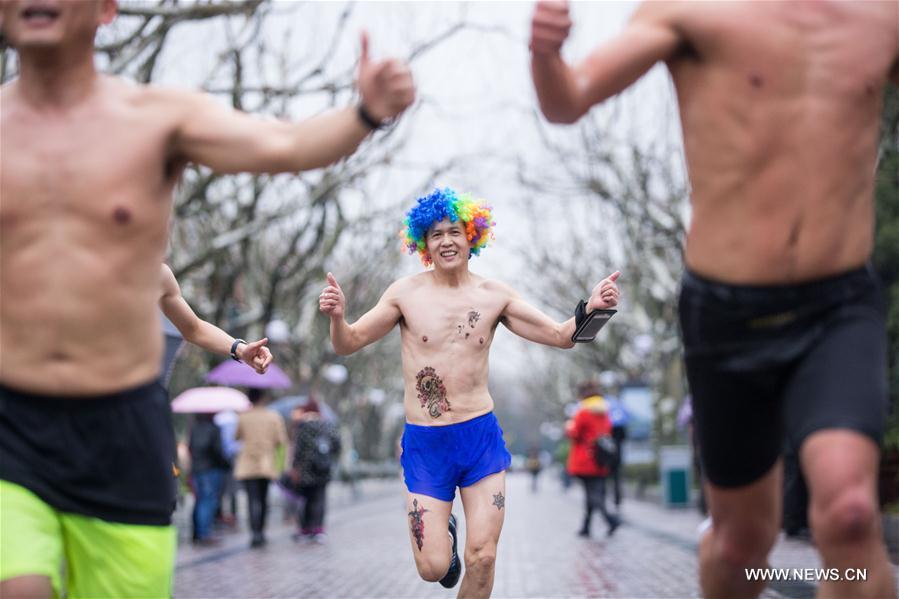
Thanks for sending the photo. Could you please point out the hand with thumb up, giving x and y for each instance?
(386, 86)
(332, 301)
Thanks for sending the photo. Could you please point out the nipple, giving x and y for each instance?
(121, 215)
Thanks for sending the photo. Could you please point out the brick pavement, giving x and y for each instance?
(367, 552)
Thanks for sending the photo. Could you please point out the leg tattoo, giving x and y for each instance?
(499, 501)
(417, 523)
(431, 392)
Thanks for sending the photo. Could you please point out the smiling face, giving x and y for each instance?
(448, 245)
(36, 24)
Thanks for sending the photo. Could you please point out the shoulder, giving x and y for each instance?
(406, 285)
(662, 14)
(158, 94)
(668, 21)
(653, 16)
(173, 104)
(496, 287)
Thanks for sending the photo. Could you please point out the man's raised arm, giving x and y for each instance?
(374, 324)
(229, 141)
(566, 93)
(530, 323)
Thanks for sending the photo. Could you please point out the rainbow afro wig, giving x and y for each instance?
(439, 205)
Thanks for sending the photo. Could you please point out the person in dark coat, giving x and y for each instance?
(209, 466)
(316, 450)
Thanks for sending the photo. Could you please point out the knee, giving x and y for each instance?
(848, 517)
(431, 570)
(481, 559)
(739, 548)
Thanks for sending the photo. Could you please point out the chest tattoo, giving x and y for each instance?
(473, 318)
(431, 392)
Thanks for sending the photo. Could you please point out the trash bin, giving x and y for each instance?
(675, 464)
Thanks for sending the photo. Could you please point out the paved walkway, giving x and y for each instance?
(367, 552)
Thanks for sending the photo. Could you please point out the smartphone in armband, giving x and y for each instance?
(591, 325)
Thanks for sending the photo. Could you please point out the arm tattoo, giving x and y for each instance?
(499, 501)
(431, 392)
(417, 523)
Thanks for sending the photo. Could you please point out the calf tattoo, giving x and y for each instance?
(431, 392)
(499, 501)
(417, 523)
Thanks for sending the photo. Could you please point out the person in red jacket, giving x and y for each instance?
(590, 422)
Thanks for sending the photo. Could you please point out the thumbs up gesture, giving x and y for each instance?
(386, 86)
(605, 294)
(549, 26)
(331, 301)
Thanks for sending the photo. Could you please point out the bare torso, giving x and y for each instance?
(780, 105)
(86, 197)
(446, 336)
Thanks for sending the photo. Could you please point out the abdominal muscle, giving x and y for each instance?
(80, 327)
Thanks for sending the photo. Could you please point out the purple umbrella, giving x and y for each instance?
(236, 374)
(210, 400)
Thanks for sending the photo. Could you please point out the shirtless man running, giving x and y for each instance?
(89, 163)
(447, 318)
(782, 317)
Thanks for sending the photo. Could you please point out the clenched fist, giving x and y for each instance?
(549, 26)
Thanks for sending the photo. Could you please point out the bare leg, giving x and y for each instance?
(841, 468)
(745, 525)
(428, 519)
(27, 587)
(484, 504)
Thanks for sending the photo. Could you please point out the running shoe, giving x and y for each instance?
(455, 569)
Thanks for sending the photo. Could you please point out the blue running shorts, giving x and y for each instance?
(437, 459)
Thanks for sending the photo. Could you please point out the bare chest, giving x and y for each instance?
(836, 51)
(103, 170)
(447, 323)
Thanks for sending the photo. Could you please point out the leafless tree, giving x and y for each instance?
(600, 203)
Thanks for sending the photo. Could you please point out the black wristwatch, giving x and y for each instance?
(234, 349)
(366, 117)
(580, 313)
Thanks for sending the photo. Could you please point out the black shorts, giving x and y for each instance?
(765, 362)
(107, 457)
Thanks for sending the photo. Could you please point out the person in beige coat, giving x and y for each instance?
(261, 432)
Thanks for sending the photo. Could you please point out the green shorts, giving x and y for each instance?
(102, 559)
